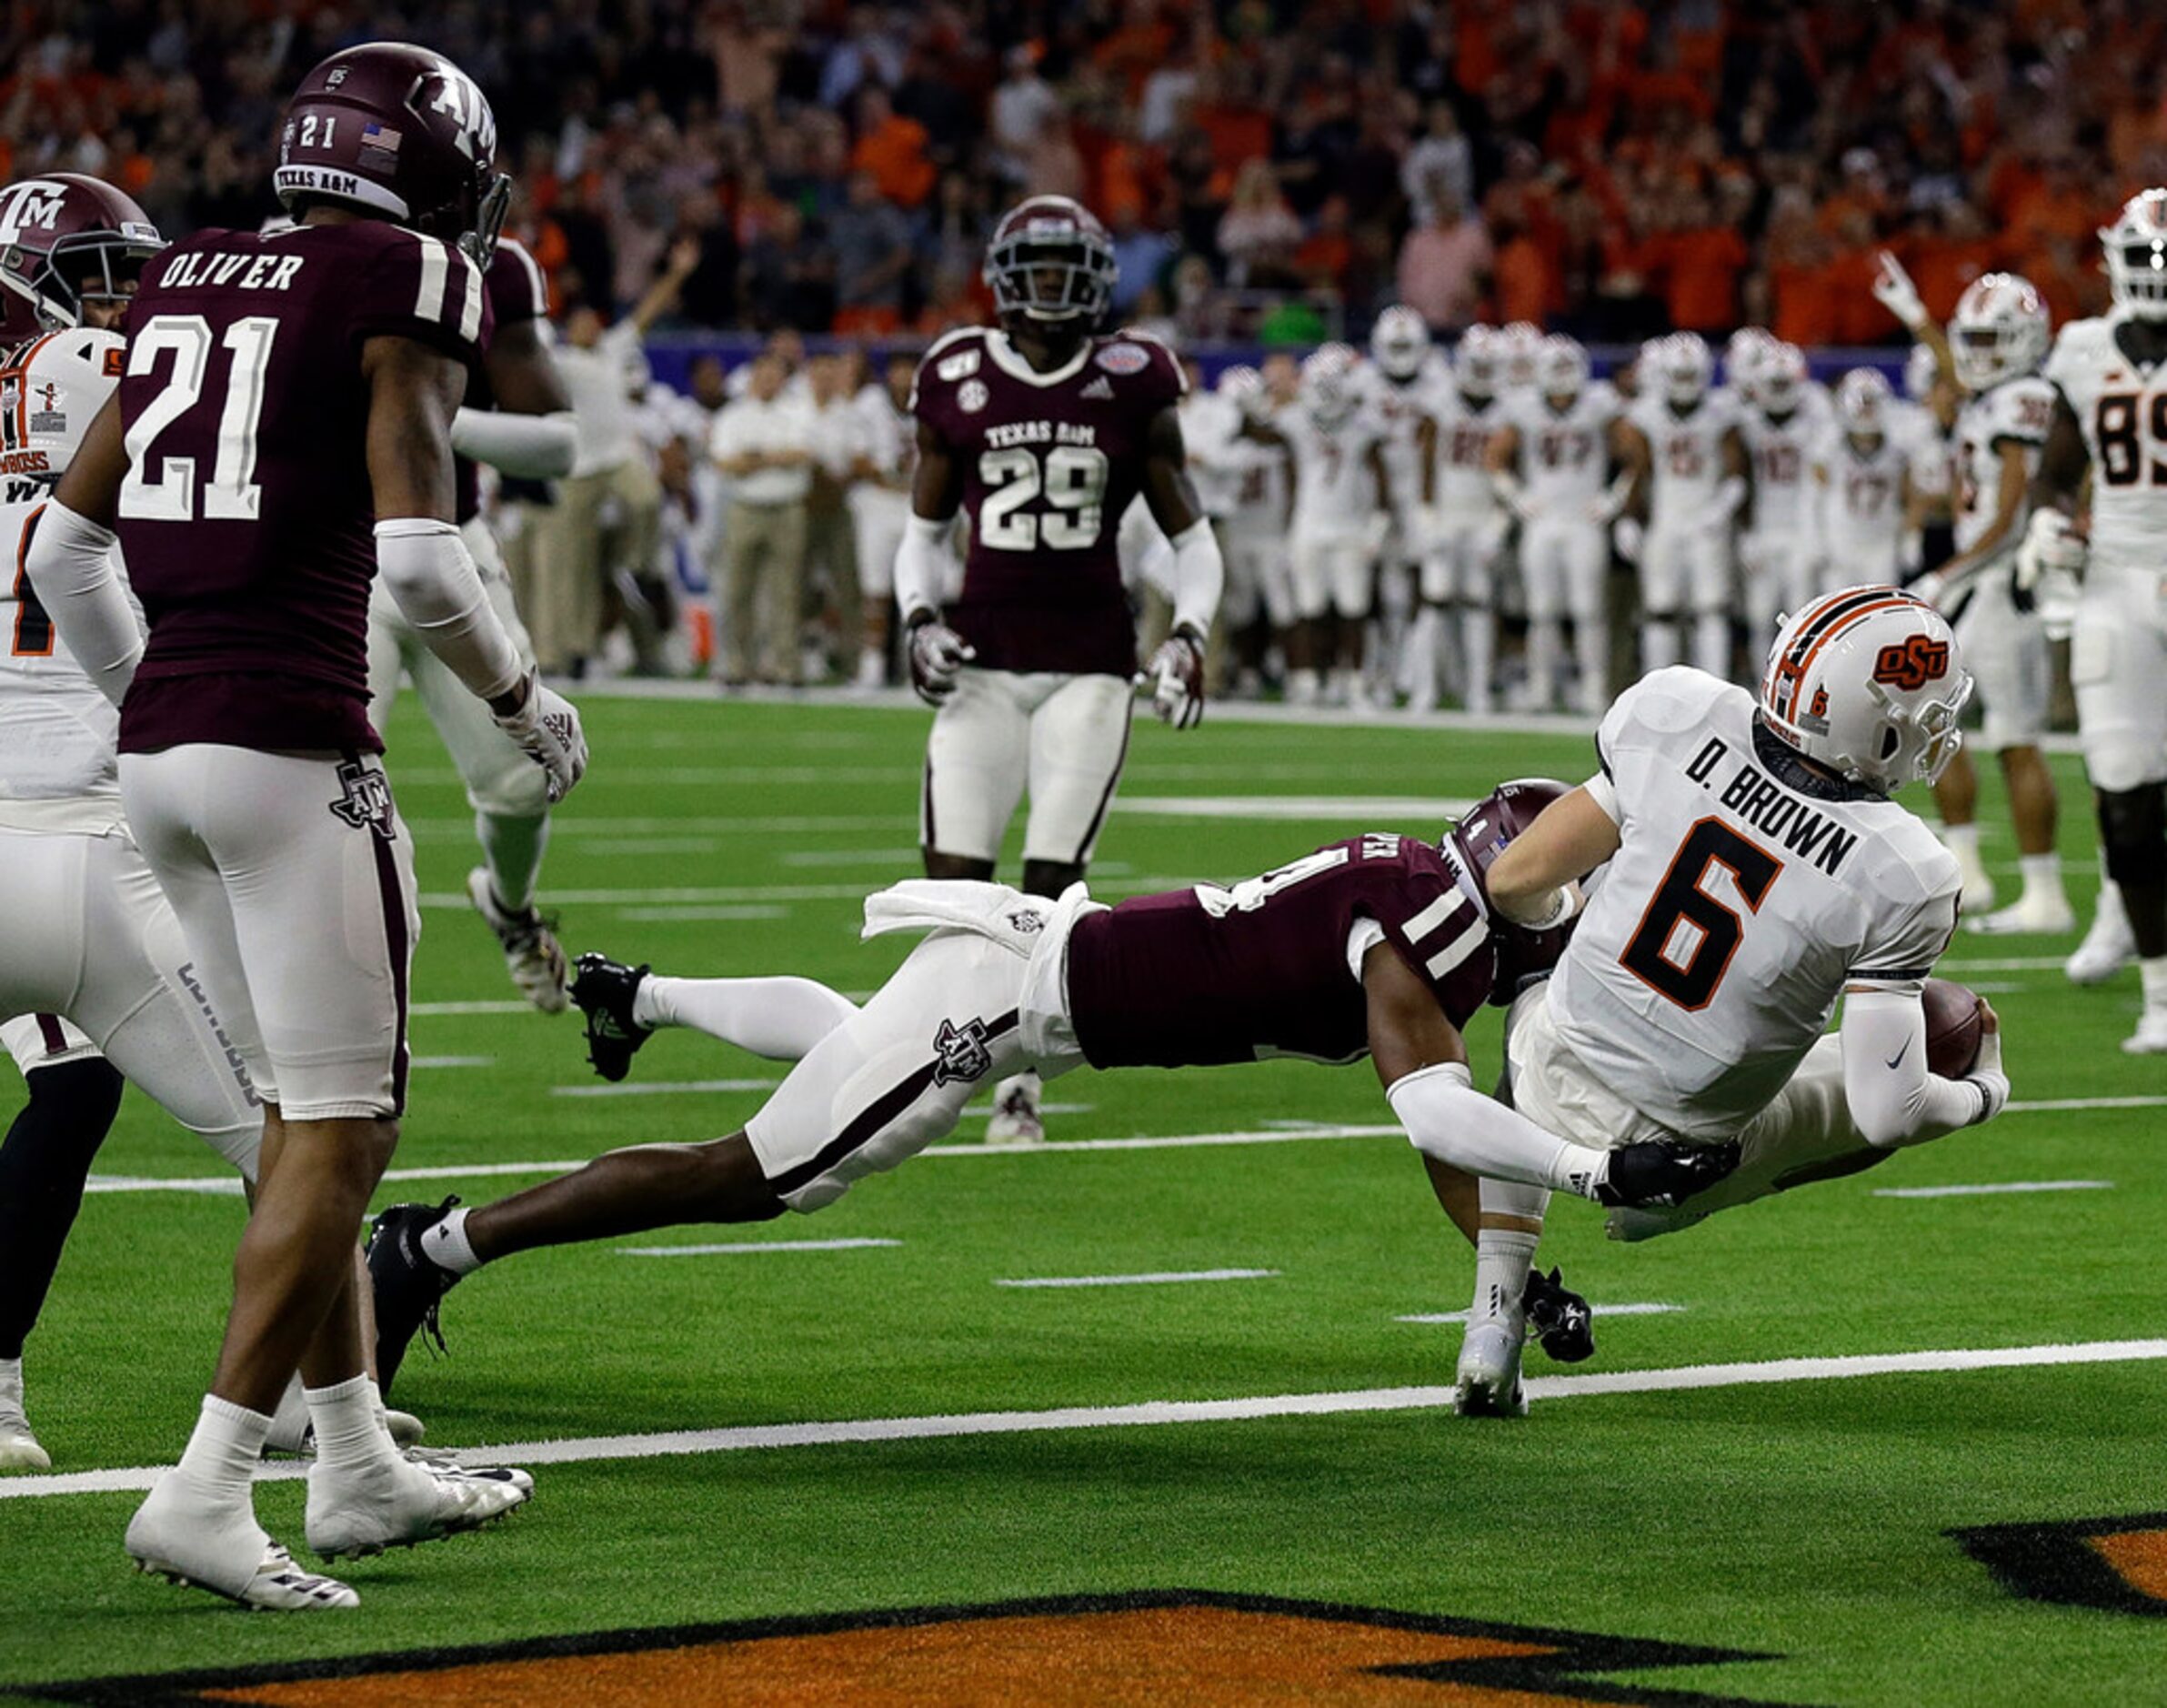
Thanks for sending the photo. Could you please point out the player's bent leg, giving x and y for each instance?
(2134, 835)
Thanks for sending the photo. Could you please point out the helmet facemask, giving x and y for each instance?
(1052, 280)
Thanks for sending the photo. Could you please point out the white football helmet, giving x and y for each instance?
(1399, 342)
(1920, 368)
(1239, 383)
(2136, 250)
(1477, 361)
(1327, 381)
(1862, 398)
(1681, 369)
(1867, 682)
(1999, 331)
(1743, 355)
(1780, 378)
(1522, 343)
(1561, 366)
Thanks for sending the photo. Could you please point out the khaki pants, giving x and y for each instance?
(600, 523)
(832, 564)
(763, 578)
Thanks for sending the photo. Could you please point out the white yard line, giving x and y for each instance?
(505, 1005)
(2057, 1105)
(747, 1247)
(1639, 1310)
(1994, 1189)
(745, 910)
(2003, 963)
(1151, 1278)
(453, 1061)
(1352, 810)
(663, 1087)
(754, 1437)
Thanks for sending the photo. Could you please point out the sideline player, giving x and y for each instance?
(2110, 418)
(1044, 431)
(518, 419)
(1864, 496)
(1398, 387)
(1784, 426)
(283, 393)
(1756, 871)
(1464, 531)
(1378, 945)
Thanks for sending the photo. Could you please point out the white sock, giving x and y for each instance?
(512, 850)
(1502, 1258)
(1658, 645)
(1545, 649)
(349, 1425)
(2152, 976)
(2043, 878)
(781, 1018)
(444, 1244)
(1712, 644)
(219, 1462)
(1962, 840)
(1478, 639)
(11, 1384)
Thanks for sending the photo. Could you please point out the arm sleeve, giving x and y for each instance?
(919, 560)
(531, 446)
(1448, 1119)
(1200, 576)
(1893, 1097)
(427, 572)
(70, 563)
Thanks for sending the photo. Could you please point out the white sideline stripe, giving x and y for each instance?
(663, 1087)
(2005, 963)
(753, 1437)
(2049, 1105)
(749, 910)
(453, 1061)
(1640, 1310)
(1154, 1278)
(1993, 1188)
(496, 1006)
(743, 1246)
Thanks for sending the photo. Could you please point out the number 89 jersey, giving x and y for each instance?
(2122, 408)
(1746, 893)
(1050, 462)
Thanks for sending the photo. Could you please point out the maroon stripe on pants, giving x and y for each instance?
(399, 948)
(55, 1039)
(1107, 800)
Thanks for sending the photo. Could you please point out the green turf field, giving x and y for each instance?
(1806, 1521)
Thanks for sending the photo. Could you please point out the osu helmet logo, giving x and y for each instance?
(1913, 663)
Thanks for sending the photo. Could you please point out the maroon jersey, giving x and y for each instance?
(245, 516)
(518, 292)
(1050, 462)
(1203, 976)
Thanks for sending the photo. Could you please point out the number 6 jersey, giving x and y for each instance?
(1050, 463)
(246, 515)
(1746, 893)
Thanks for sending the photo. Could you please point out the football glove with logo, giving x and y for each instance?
(1174, 676)
(545, 725)
(937, 654)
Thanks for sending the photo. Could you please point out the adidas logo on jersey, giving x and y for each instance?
(1097, 391)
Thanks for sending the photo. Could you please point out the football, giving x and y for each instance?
(1954, 1027)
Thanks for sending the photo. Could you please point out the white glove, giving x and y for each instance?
(1986, 1075)
(546, 727)
(1174, 676)
(2051, 546)
(937, 654)
(1629, 536)
(1893, 289)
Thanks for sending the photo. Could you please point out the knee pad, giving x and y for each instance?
(2133, 832)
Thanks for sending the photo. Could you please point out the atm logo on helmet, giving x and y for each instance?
(1913, 663)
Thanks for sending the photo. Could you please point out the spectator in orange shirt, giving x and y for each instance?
(893, 149)
(1701, 263)
(1523, 276)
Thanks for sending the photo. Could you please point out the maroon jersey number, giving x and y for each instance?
(1070, 479)
(166, 488)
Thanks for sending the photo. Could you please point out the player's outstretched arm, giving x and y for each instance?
(1895, 1098)
(414, 391)
(1535, 881)
(67, 550)
(531, 433)
(1174, 674)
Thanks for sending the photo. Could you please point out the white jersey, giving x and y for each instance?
(1914, 428)
(1261, 484)
(1685, 457)
(2120, 409)
(1862, 497)
(1398, 410)
(1746, 892)
(2017, 410)
(1210, 429)
(1335, 490)
(1564, 454)
(57, 731)
(1781, 456)
(1465, 426)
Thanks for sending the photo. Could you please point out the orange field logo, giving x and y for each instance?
(1191, 1646)
(2116, 1563)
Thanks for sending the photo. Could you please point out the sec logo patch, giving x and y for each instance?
(1124, 358)
(971, 396)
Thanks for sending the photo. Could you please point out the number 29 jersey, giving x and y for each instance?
(1746, 893)
(1051, 461)
(247, 513)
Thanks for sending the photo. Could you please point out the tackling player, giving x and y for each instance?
(1756, 871)
(1044, 431)
(1380, 945)
(283, 395)
(2110, 418)
(518, 419)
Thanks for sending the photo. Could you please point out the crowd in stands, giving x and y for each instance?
(1267, 166)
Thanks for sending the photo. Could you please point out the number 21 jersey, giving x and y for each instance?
(1746, 893)
(246, 515)
(1051, 461)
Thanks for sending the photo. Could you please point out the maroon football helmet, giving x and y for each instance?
(1051, 262)
(65, 240)
(402, 132)
(1483, 833)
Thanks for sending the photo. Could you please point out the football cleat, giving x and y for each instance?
(2150, 1038)
(1016, 1119)
(400, 1502)
(19, 1449)
(409, 1285)
(603, 989)
(2108, 946)
(2044, 916)
(1559, 1318)
(532, 954)
(1662, 1173)
(1487, 1381)
(227, 1554)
